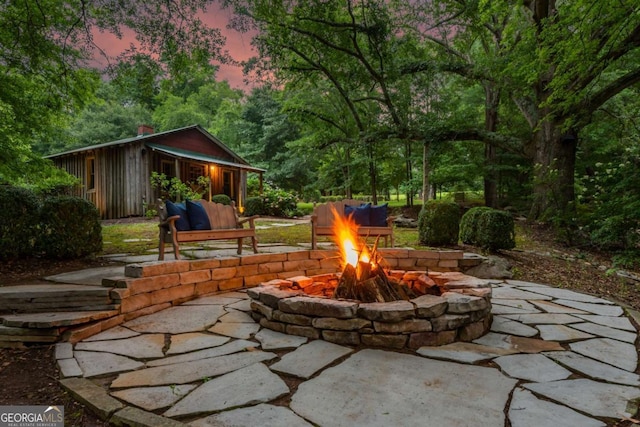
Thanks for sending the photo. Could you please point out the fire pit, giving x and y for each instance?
(368, 304)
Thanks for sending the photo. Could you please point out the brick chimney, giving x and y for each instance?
(144, 130)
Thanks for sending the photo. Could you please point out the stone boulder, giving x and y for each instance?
(492, 267)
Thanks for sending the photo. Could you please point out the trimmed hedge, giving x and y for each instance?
(221, 198)
(488, 228)
(70, 228)
(439, 223)
(18, 222)
(469, 224)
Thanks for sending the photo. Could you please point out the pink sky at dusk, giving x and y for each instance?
(238, 45)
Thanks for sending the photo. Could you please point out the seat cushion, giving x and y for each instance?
(182, 223)
(378, 216)
(361, 214)
(197, 215)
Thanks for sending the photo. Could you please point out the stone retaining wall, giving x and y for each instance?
(152, 286)
(461, 313)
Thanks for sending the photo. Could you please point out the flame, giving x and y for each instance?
(345, 232)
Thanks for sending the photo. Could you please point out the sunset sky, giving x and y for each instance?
(238, 45)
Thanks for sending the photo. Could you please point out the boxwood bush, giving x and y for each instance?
(490, 229)
(439, 223)
(221, 198)
(18, 222)
(70, 228)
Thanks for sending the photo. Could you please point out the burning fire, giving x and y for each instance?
(353, 252)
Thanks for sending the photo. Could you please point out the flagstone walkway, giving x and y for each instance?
(553, 358)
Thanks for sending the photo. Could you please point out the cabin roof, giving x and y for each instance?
(148, 138)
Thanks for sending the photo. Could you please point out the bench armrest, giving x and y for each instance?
(169, 222)
(250, 220)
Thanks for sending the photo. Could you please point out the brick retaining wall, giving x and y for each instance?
(153, 286)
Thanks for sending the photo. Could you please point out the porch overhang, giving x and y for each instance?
(199, 157)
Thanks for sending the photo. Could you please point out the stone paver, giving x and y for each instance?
(594, 398)
(532, 367)
(180, 319)
(207, 353)
(95, 363)
(606, 331)
(191, 341)
(263, 415)
(526, 410)
(561, 333)
(152, 398)
(188, 372)
(595, 369)
(114, 333)
(464, 352)
(309, 358)
(383, 388)
(146, 346)
(250, 385)
(208, 363)
(508, 326)
(235, 330)
(609, 351)
(272, 340)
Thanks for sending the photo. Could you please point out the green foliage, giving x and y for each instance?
(176, 190)
(221, 198)
(18, 222)
(253, 206)
(490, 229)
(70, 228)
(439, 223)
(469, 224)
(273, 202)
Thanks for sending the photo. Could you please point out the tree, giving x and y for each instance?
(356, 48)
(45, 48)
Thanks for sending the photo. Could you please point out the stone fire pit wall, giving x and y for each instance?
(461, 313)
(149, 287)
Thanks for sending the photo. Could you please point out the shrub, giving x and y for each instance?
(469, 224)
(253, 206)
(221, 198)
(18, 222)
(70, 228)
(439, 223)
(488, 228)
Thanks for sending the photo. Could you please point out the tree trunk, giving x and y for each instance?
(554, 161)
(492, 101)
(426, 188)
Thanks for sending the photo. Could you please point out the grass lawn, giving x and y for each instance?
(138, 237)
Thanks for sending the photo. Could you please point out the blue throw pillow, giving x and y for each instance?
(198, 217)
(182, 223)
(360, 213)
(378, 217)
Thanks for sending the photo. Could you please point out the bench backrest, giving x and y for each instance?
(221, 216)
(325, 215)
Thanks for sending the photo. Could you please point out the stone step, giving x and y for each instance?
(54, 319)
(41, 297)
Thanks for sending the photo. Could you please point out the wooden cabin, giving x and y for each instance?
(115, 176)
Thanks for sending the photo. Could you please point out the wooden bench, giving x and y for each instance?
(322, 222)
(224, 222)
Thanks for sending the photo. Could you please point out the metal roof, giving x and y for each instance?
(241, 162)
(192, 155)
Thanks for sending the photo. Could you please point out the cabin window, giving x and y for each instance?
(195, 171)
(168, 168)
(91, 173)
